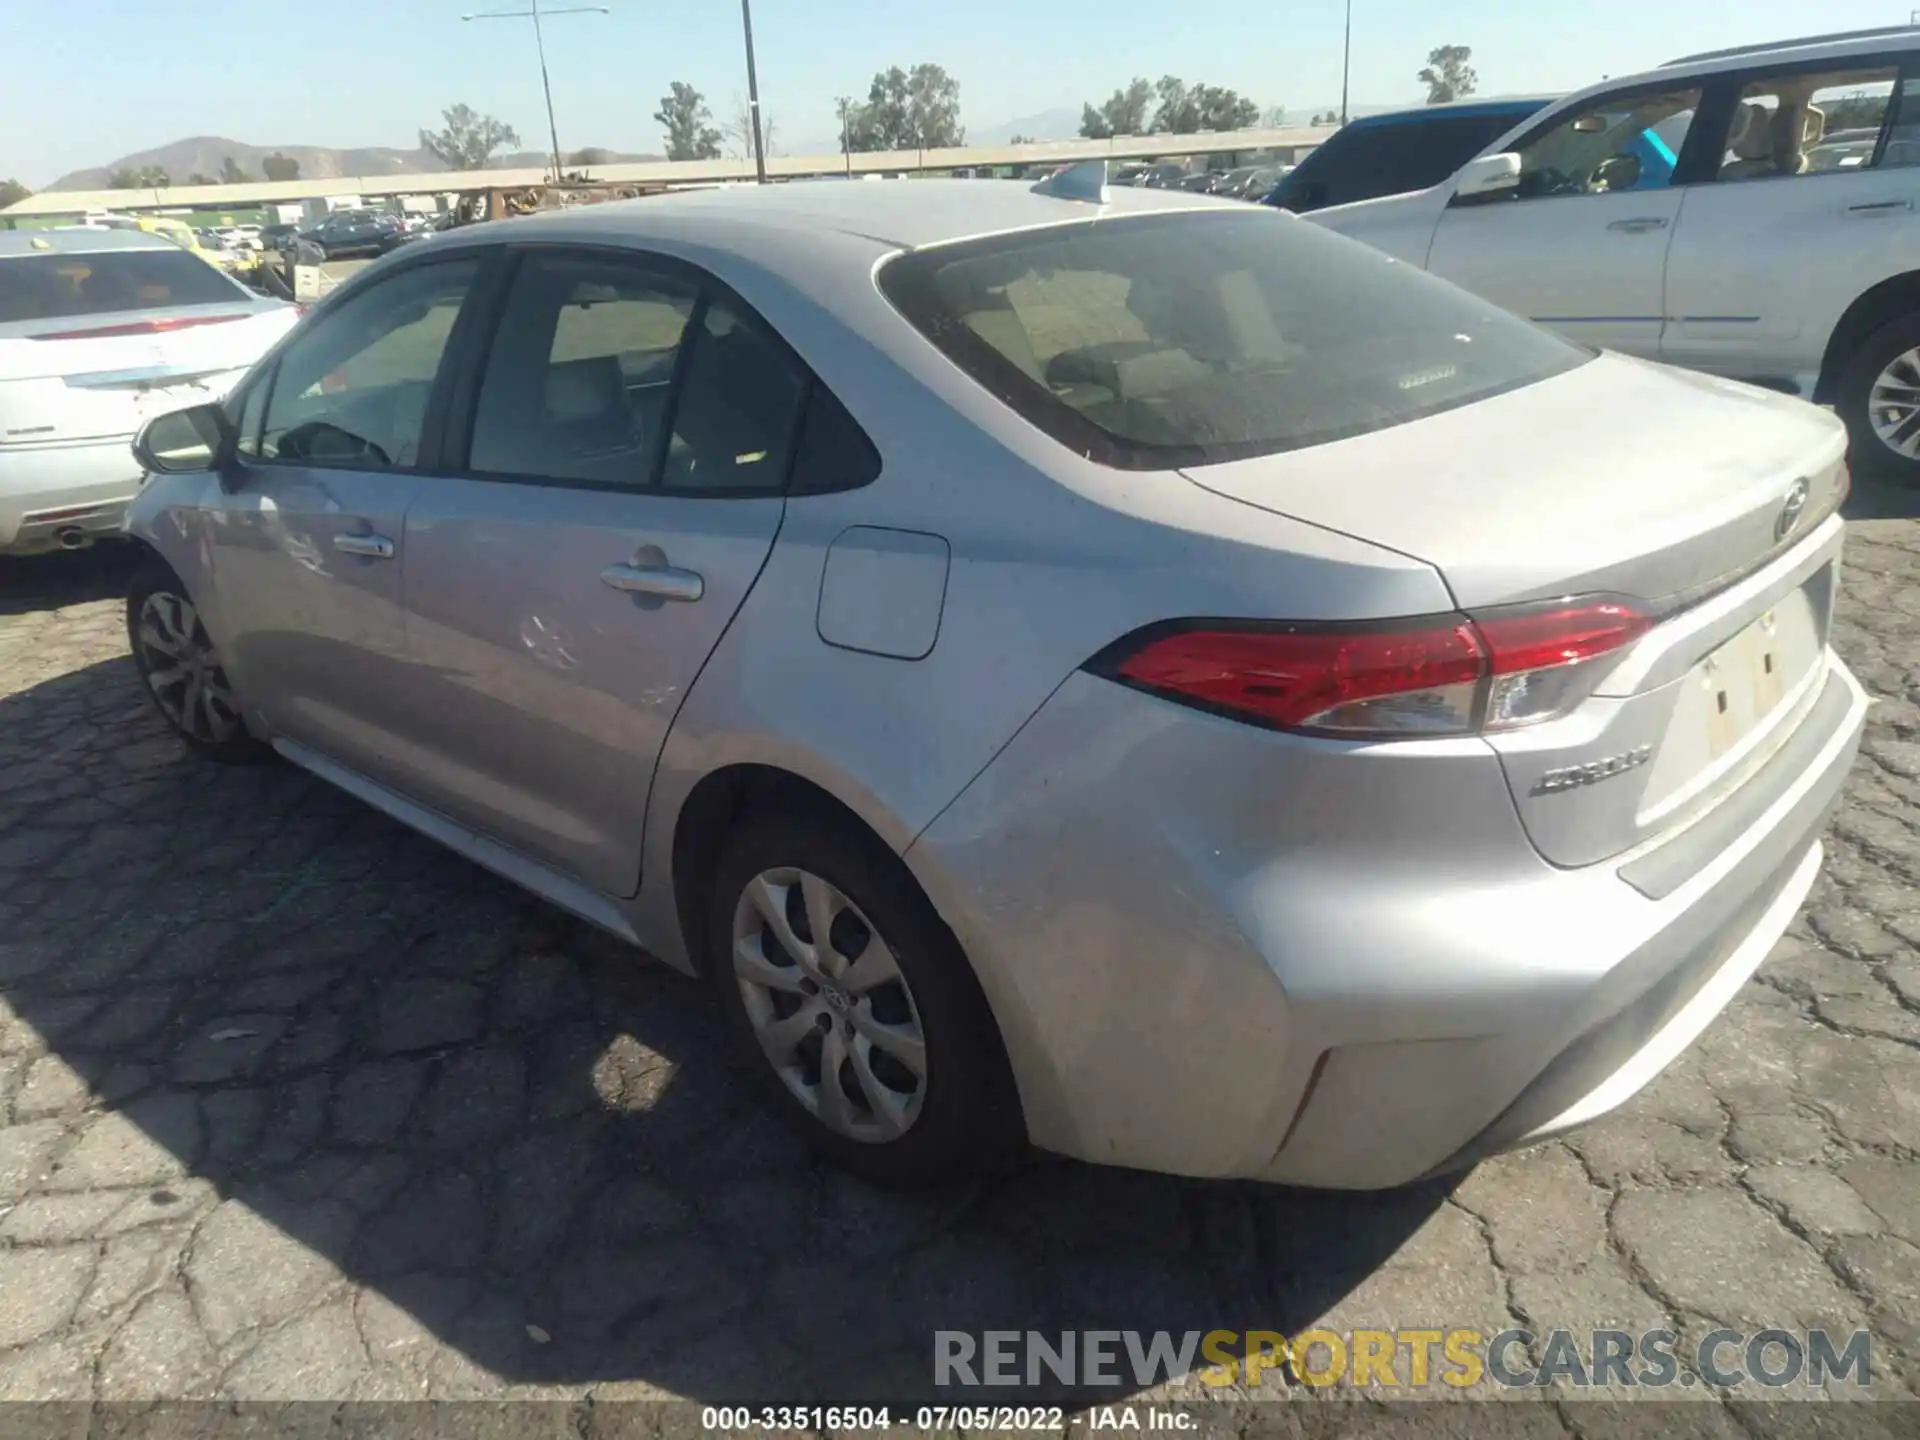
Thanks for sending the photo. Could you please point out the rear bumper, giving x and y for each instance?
(47, 490)
(1219, 951)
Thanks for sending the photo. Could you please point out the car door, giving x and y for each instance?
(306, 542)
(1581, 243)
(622, 477)
(1812, 202)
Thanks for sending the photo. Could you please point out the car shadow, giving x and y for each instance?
(1873, 498)
(30, 583)
(535, 1151)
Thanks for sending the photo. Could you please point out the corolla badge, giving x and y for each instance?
(1592, 773)
(1791, 512)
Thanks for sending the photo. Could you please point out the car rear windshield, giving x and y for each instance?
(62, 285)
(1157, 341)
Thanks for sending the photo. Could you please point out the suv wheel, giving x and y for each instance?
(182, 671)
(1879, 398)
(853, 999)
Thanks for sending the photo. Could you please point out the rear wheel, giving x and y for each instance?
(1879, 398)
(854, 1000)
(182, 670)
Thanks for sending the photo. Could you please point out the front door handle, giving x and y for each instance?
(664, 582)
(374, 547)
(1640, 225)
(1880, 207)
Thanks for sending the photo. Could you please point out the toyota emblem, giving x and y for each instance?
(1791, 511)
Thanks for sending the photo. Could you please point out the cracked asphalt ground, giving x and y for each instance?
(298, 1105)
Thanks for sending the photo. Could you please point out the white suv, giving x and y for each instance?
(1751, 213)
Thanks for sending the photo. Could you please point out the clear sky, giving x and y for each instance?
(90, 80)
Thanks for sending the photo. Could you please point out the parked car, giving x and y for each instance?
(1690, 215)
(278, 237)
(241, 237)
(1200, 183)
(1020, 722)
(1399, 151)
(353, 234)
(101, 329)
(1163, 175)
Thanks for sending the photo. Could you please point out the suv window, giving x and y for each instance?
(1626, 142)
(1903, 137)
(351, 391)
(1807, 123)
(1364, 162)
(1159, 341)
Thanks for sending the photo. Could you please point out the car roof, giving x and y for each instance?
(896, 214)
(1518, 107)
(79, 240)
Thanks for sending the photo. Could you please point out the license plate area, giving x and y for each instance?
(1734, 701)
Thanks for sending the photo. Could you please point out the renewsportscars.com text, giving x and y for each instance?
(1408, 1359)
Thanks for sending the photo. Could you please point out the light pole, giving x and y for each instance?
(540, 45)
(753, 94)
(1346, 63)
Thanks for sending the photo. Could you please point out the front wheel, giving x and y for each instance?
(854, 1000)
(1879, 399)
(182, 671)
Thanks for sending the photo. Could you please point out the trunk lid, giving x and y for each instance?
(85, 378)
(1617, 475)
(1708, 503)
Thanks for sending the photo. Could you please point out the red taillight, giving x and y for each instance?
(1437, 675)
(138, 327)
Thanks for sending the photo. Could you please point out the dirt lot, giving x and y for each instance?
(299, 1105)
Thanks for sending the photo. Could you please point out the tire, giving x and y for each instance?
(957, 1114)
(181, 671)
(1892, 352)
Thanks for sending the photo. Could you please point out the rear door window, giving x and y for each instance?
(1808, 123)
(1158, 341)
(61, 286)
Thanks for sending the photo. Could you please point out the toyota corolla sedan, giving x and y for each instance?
(100, 331)
(1131, 673)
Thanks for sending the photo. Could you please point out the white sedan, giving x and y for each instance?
(100, 330)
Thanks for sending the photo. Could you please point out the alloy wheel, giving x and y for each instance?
(829, 1005)
(183, 671)
(1893, 405)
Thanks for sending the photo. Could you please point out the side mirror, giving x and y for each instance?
(1487, 177)
(199, 438)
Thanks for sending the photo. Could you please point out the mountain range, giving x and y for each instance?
(205, 155)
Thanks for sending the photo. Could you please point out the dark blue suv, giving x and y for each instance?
(1393, 153)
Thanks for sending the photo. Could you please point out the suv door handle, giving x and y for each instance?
(374, 547)
(1880, 207)
(664, 582)
(1640, 225)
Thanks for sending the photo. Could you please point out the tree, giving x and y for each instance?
(145, 177)
(739, 131)
(688, 123)
(280, 167)
(1021, 140)
(1188, 109)
(917, 109)
(201, 178)
(1448, 76)
(231, 173)
(12, 192)
(1273, 117)
(468, 140)
(591, 155)
(1330, 117)
(1123, 113)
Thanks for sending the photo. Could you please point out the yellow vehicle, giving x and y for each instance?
(182, 234)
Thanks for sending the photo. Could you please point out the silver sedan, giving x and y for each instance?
(1127, 673)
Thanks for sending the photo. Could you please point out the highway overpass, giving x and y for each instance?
(1218, 146)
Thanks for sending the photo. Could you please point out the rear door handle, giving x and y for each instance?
(1880, 207)
(374, 547)
(1640, 225)
(664, 582)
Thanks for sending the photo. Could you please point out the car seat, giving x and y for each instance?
(1751, 144)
